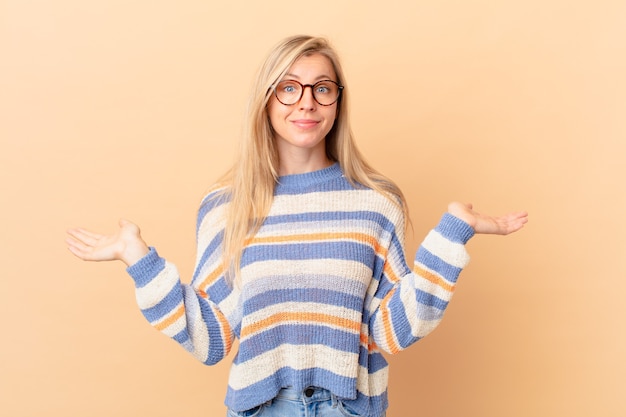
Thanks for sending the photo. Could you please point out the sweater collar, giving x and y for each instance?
(310, 178)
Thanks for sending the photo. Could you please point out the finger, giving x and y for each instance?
(78, 249)
(78, 245)
(515, 224)
(519, 214)
(89, 233)
(77, 252)
(84, 236)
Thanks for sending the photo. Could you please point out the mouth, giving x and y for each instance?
(304, 123)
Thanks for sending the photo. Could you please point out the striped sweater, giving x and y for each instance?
(325, 288)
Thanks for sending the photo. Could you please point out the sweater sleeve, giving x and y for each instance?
(411, 303)
(184, 313)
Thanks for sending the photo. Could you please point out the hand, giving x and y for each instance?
(501, 225)
(126, 245)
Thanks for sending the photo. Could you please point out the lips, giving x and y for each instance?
(304, 123)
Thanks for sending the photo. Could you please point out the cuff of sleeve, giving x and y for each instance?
(145, 269)
(454, 229)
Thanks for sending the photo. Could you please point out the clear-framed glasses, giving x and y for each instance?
(325, 92)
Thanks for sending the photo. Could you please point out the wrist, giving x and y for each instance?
(462, 212)
(455, 229)
(133, 252)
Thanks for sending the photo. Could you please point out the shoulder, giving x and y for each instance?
(217, 195)
(374, 206)
(388, 205)
(216, 198)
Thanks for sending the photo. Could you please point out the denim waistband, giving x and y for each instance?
(308, 395)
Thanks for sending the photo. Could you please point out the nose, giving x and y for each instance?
(307, 101)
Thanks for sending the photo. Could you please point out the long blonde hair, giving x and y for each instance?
(250, 182)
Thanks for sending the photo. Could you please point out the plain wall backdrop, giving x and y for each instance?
(132, 109)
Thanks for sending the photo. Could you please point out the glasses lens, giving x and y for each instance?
(288, 92)
(326, 92)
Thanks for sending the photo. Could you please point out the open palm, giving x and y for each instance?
(125, 245)
(497, 225)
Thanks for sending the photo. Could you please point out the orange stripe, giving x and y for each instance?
(372, 347)
(226, 332)
(171, 319)
(300, 317)
(225, 326)
(211, 277)
(369, 344)
(361, 237)
(435, 279)
(393, 347)
(391, 274)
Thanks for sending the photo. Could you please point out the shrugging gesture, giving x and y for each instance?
(321, 287)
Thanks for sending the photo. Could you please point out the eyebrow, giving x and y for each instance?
(321, 77)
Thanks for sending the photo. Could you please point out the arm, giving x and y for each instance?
(412, 302)
(180, 311)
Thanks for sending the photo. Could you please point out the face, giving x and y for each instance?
(301, 128)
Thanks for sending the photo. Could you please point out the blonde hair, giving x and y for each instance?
(250, 182)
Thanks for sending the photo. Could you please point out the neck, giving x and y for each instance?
(292, 166)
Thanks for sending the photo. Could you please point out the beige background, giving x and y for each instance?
(117, 108)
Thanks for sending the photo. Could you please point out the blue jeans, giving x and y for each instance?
(312, 402)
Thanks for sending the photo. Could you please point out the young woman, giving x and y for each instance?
(300, 255)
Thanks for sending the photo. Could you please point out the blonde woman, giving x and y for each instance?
(300, 255)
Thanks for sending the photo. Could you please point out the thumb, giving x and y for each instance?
(124, 222)
(129, 226)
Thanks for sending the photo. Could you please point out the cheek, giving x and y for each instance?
(276, 112)
(271, 116)
(332, 115)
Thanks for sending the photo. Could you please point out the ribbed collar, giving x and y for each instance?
(310, 178)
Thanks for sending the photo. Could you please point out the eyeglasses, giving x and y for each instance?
(325, 92)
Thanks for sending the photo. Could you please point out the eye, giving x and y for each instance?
(288, 87)
(324, 88)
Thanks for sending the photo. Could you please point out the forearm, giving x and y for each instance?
(178, 311)
(414, 305)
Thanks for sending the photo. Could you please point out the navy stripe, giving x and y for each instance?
(378, 219)
(165, 306)
(368, 406)
(344, 250)
(298, 335)
(304, 295)
(340, 184)
(216, 344)
(208, 252)
(211, 202)
(454, 229)
(376, 362)
(425, 298)
(434, 263)
(146, 269)
(219, 290)
(400, 321)
(181, 337)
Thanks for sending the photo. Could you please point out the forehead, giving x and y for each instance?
(312, 66)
